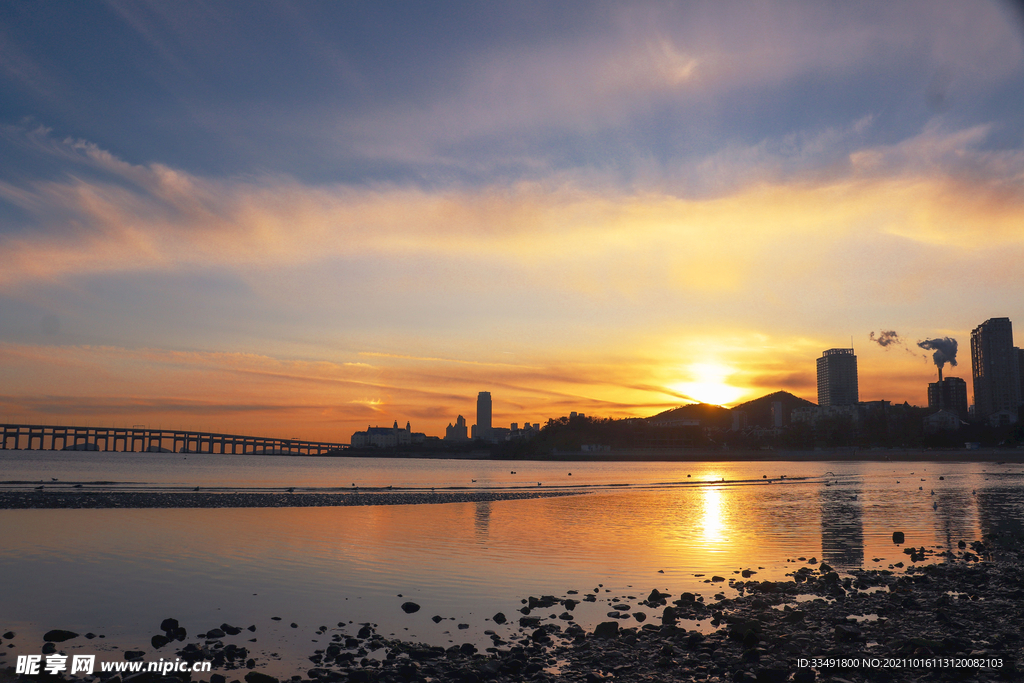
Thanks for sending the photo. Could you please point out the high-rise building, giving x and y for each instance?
(837, 378)
(458, 431)
(483, 415)
(995, 364)
(949, 394)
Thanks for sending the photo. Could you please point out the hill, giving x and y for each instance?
(759, 411)
(709, 415)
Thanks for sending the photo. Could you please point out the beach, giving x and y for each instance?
(952, 615)
(478, 571)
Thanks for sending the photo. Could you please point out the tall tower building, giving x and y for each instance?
(483, 414)
(949, 394)
(837, 378)
(995, 365)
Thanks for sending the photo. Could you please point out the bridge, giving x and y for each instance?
(140, 439)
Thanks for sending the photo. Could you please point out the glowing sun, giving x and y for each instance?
(708, 384)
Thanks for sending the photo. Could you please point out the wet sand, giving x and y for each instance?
(15, 500)
(952, 615)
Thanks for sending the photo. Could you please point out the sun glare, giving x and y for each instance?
(709, 384)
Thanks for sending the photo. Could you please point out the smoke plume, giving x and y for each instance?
(886, 337)
(945, 350)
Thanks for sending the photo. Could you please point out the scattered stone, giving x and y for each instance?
(499, 618)
(606, 629)
(59, 636)
(257, 677)
(410, 607)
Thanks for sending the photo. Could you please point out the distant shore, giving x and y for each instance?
(21, 500)
(717, 455)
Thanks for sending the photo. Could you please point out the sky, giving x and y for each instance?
(302, 219)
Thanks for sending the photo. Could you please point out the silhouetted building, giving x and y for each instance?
(780, 416)
(458, 432)
(949, 394)
(387, 437)
(837, 378)
(995, 365)
(1020, 372)
(482, 428)
(943, 420)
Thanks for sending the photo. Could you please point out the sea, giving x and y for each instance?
(303, 575)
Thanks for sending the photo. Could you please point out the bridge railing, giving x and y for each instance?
(140, 439)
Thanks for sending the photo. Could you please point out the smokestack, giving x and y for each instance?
(945, 351)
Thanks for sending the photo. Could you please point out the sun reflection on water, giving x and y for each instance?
(713, 524)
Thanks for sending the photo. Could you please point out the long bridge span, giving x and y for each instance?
(142, 440)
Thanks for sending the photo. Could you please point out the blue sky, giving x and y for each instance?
(361, 212)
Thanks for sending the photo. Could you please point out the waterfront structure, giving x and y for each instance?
(837, 378)
(944, 420)
(949, 394)
(139, 439)
(996, 368)
(458, 431)
(387, 437)
(482, 428)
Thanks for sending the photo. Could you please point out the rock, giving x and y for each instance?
(257, 677)
(9, 635)
(897, 537)
(130, 655)
(542, 601)
(410, 607)
(158, 641)
(59, 636)
(169, 624)
(214, 633)
(49, 648)
(640, 616)
(437, 618)
(463, 627)
(499, 618)
(230, 630)
(607, 629)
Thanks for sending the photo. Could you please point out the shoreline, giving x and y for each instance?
(952, 615)
(29, 500)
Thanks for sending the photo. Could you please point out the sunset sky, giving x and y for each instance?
(300, 219)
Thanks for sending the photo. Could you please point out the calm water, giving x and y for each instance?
(638, 526)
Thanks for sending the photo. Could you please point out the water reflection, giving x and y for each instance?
(482, 520)
(842, 526)
(956, 512)
(712, 523)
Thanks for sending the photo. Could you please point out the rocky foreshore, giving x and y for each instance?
(15, 500)
(955, 615)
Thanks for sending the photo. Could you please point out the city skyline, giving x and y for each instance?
(315, 217)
